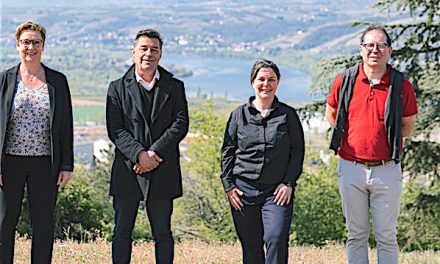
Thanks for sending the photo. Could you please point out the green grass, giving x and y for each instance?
(82, 115)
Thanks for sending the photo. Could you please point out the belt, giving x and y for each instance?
(373, 163)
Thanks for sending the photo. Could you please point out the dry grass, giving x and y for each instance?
(196, 252)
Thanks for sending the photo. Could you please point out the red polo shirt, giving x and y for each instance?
(364, 136)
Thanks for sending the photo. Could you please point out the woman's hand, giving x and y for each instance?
(282, 193)
(234, 198)
(63, 178)
(1, 180)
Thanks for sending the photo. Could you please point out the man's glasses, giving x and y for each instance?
(370, 46)
(35, 42)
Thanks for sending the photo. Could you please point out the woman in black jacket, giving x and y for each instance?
(262, 157)
(36, 143)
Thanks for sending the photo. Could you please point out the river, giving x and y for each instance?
(226, 76)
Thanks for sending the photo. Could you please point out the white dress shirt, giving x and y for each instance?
(146, 84)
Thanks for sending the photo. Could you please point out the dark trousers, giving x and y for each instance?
(34, 172)
(264, 223)
(159, 214)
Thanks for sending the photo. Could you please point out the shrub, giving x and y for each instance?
(82, 212)
(204, 210)
(419, 220)
(317, 213)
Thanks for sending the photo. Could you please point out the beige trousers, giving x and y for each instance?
(377, 188)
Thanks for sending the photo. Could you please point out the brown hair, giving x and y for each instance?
(30, 26)
(378, 27)
(259, 64)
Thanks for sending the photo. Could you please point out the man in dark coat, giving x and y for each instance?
(147, 117)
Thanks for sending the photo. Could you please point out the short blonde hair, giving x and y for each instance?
(30, 26)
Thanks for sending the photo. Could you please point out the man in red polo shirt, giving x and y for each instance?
(369, 171)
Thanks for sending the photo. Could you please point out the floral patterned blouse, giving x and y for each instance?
(28, 130)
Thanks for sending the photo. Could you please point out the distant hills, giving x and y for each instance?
(193, 26)
(127, 3)
(91, 39)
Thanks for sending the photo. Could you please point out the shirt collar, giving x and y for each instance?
(144, 83)
(274, 105)
(385, 79)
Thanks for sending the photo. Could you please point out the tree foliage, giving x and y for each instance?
(416, 51)
(83, 211)
(205, 211)
(419, 220)
(418, 54)
(317, 215)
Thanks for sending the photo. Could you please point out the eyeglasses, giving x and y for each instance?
(35, 42)
(370, 46)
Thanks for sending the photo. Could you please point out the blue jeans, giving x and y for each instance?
(159, 214)
(377, 188)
